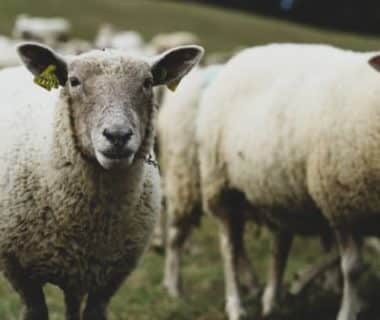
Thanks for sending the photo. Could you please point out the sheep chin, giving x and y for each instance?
(109, 164)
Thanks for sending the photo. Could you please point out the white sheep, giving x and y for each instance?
(79, 191)
(295, 130)
(74, 47)
(8, 55)
(46, 30)
(178, 158)
(130, 41)
(104, 36)
(162, 42)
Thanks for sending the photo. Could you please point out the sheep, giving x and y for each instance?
(291, 130)
(104, 36)
(159, 44)
(178, 161)
(126, 40)
(8, 55)
(74, 47)
(46, 30)
(79, 188)
(130, 41)
(162, 42)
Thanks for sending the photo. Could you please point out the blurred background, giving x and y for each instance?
(223, 27)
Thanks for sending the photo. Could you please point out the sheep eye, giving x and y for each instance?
(148, 83)
(74, 81)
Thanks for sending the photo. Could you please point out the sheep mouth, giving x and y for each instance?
(109, 160)
(118, 155)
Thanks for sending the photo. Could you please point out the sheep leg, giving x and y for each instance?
(172, 277)
(159, 233)
(73, 303)
(229, 232)
(178, 233)
(30, 291)
(352, 267)
(246, 273)
(99, 299)
(281, 246)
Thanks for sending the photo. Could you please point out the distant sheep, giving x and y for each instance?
(46, 30)
(79, 191)
(104, 36)
(292, 133)
(163, 42)
(74, 47)
(130, 41)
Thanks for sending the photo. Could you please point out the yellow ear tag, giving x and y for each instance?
(47, 79)
(173, 85)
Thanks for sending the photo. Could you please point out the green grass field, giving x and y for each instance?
(142, 297)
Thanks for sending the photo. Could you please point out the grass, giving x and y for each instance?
(142, 297)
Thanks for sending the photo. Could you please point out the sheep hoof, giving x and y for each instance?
(270, 302)
(234, 310)
(173, 290)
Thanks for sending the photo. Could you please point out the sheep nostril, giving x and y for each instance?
(128, 134)
(108, 135)
(118, 137)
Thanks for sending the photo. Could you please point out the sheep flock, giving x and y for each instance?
(99, 161)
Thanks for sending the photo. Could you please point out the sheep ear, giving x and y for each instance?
(170, 67)
(49, 68)
(375, 62)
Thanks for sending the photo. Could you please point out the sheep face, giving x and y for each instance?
(110, 95)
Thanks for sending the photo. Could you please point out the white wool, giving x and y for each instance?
(178, 155)
(266, 111)
(8, 55)
(177, 144)
(24, 106)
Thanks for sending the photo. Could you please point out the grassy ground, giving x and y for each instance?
(142, 297)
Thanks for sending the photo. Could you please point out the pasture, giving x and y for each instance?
(142, 296)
